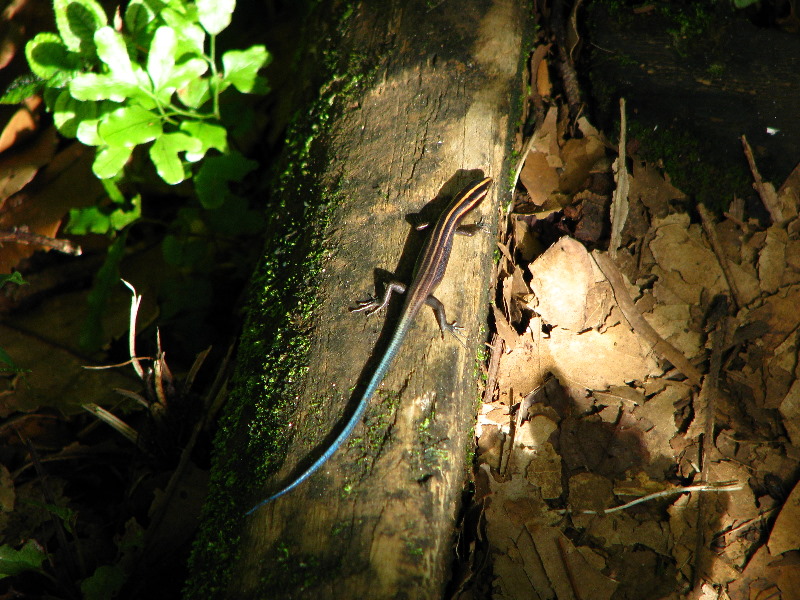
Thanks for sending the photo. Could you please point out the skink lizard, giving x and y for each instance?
(428, 272)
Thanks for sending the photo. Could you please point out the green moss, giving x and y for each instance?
(691, 22)
(290, 570)
(716, 69)
(272, 360)
(625, 60)
(692, 167)
(383, 409)
(414, 550)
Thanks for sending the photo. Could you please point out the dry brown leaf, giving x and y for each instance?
(649, 187)
(685, 265)
(21, 125)
(18, 169)
(785, 534)
(66, 182)
(772, 259)
(674, 323)
(512, 511)
(504, 329)
(573, 298)
(580, 158)
(536, 458)
(589, 491)
(633, 317)
(596, 361)
(571, 291)
(57, 378)
(539, 178)
(540, 174)
(539, 65)
(793, 255)
(790, 412)
(691, 546)
(522, 369)
(659, 412)
(789, 191)
(570, 574)
(779, 313)
(766, 191)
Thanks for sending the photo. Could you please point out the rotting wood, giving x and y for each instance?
(377, 520)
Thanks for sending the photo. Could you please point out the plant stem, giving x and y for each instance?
(214, 74)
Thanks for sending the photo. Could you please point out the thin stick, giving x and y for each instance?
(722, 486)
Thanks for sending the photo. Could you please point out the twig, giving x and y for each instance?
(565, 67)
(21, 235)
(113, 421)
(523, 156)
(705, 409)
(766, 190)
(619, 201)
(722, 486)
(711, 234)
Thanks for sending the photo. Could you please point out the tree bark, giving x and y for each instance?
(377, 520)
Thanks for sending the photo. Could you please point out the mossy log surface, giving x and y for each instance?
(438, 109)
(720, 80)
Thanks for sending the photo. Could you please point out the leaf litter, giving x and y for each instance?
(640, 436)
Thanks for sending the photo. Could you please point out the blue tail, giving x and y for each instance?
(374, 382)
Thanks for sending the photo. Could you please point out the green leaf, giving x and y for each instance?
(114, 193)
(161, 60)
(15, 277)
(138, 16)
(105, 582)
(164, 154)
(5, 358)
(93, 87)
(186, 72)
(211, 181)
(241, 68)
(89, 115)
(209, 135)
(90, 219)
(183, 19)
(129, 126)
(22, 87)
(110, 160)
(195, 93)
(65, 113)
(87, 133)
(103, 220)
(111, 50)
(121, 218)
(28, 558)
(66, 515)
(48, 55)
(215, 15)
(77, 20)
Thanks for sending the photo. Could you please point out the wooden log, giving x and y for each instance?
(377, 520)
(734, 79)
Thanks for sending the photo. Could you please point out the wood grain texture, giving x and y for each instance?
(377, 520)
